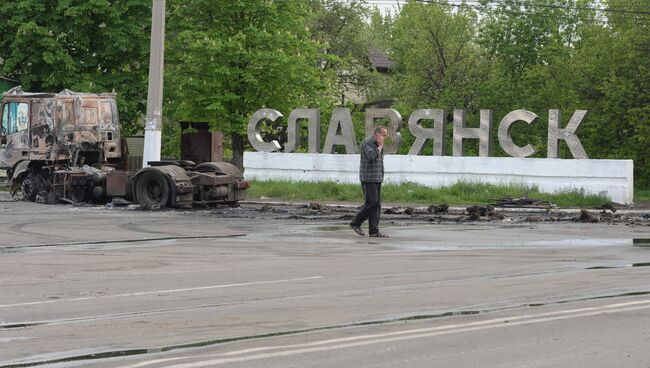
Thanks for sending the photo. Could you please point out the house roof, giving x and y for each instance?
(380, 60)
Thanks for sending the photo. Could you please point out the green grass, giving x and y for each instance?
(461, 193)
(641, 195)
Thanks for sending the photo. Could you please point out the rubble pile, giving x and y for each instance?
(443, 213)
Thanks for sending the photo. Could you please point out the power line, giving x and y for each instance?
(641, 15)
(605, 10)
(641, 18)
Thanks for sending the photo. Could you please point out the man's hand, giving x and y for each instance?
(379, 138)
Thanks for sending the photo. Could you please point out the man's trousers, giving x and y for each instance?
(371, 209)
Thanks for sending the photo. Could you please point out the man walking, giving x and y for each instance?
(371, 174)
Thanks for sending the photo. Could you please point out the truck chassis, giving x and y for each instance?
(67, 147)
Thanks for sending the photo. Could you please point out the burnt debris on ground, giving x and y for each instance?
(443, 213)
(521, 202)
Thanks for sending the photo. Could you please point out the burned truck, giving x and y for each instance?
(66, 147)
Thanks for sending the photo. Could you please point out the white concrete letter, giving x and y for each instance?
(393, 126)
(483, 134)
(505, 140)
(555, 134)
(293, 131)
(437, 134)
(340, 117)
(254, 136)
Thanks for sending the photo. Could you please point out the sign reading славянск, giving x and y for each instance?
(614, 178)
(342, 120)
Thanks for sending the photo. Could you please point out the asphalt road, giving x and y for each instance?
(122, 287)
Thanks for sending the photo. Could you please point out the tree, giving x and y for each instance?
(577, 54)
(532, 44)
(341, 27)
(90, 46)
(521, 32)
(227, 59)
(383, 87)
(438, 61)
(612, 78)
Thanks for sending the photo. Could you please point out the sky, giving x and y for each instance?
(393, 5)
(385, 5)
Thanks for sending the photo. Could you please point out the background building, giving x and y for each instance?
(7, 84)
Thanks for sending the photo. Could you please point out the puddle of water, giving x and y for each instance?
(563, 243)
(582, 242)
(629, 265)
(12, 339)
(641, 242)
(333, 228)
(637, 242)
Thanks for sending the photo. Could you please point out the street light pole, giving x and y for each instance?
(153, 122)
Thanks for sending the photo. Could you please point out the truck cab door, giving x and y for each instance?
(14, 135)
(4, 113)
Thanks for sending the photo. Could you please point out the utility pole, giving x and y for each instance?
(153, 122)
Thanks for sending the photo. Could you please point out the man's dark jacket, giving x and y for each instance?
(371, 169)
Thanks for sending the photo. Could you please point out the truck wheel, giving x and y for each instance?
(33, 186)
(152, 189)
(78, 194)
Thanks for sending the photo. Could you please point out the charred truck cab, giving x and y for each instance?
(67, 147)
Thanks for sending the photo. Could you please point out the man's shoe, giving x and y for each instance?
(378, 235)
(357, 230)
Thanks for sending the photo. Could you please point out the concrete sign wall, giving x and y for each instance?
(613, 178)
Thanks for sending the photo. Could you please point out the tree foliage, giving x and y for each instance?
(612, 74)
(340, 27)
(569, 55)
(437, 58)
(536, 55)
(438, 61)
(532, 45)
(89, 46)
(227, 59)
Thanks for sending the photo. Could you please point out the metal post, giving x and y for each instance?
(153, 122)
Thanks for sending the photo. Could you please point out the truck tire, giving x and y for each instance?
(33, 186)
(152, 189)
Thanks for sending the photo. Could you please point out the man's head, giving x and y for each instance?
(380, 134)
